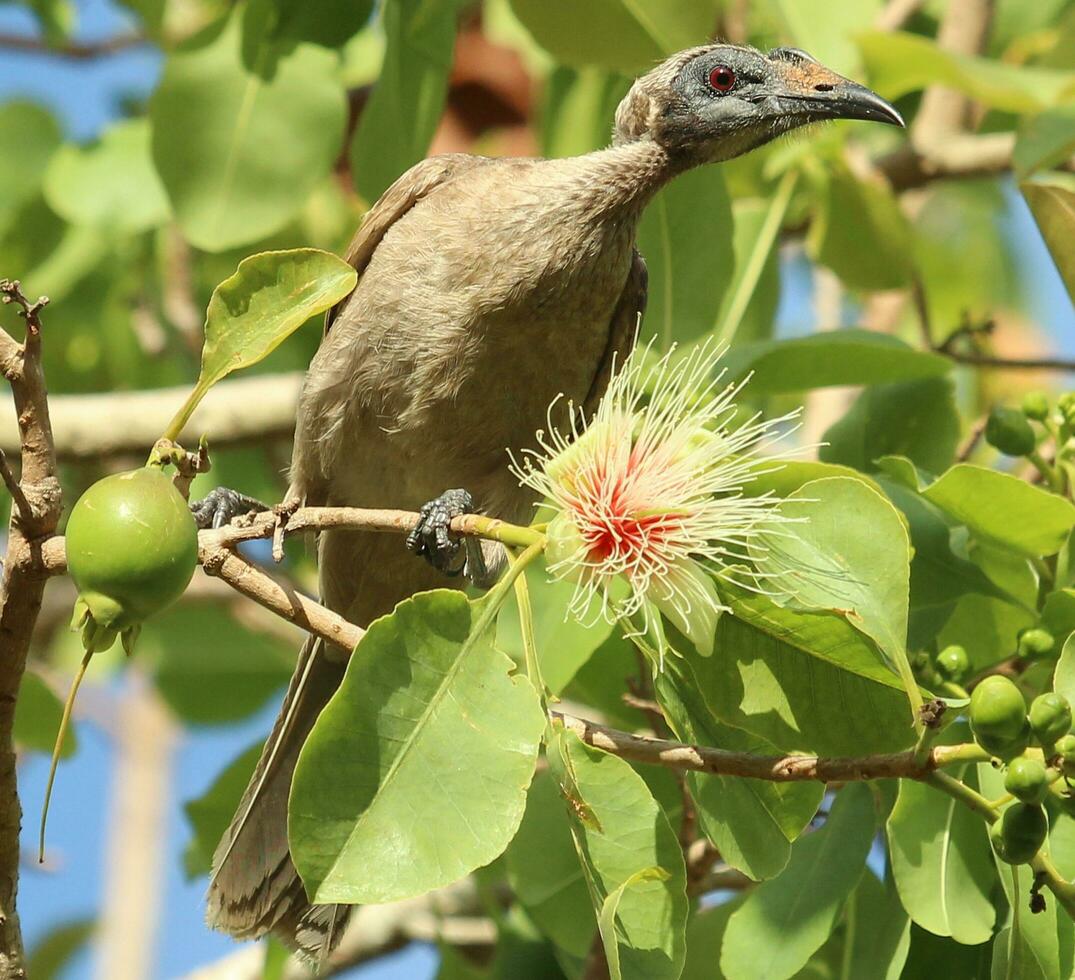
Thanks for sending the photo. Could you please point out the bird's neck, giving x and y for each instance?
(630, 174)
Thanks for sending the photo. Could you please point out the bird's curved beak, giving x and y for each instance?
(822, 94)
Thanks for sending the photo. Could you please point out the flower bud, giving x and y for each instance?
(1036, 406)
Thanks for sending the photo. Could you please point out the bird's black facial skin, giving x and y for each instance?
(730, 99)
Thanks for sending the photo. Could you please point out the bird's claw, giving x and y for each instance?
(221, 505)
(432, 536)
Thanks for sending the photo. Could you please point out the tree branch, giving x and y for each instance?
(33, 520)
(76, 50)
(238, 412)
(897, 13)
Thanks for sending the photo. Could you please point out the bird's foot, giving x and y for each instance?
(221, 506)
(432, 537)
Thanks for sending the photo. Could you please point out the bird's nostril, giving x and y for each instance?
(823, 88)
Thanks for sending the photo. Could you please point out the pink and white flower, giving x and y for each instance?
(652, 492)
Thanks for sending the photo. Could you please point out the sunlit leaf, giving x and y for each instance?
(53, 952)
(826, 28)
(620, 831)
(1004, 509)
(1045, 140)
(36, 135)
(428, 711)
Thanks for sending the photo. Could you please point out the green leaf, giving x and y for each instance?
(987, 628)
(53, 952)
(826, 29)
(899, 63)
(606, 921)
(282, 24)
(413, 85)
(1054, 211)
(623, 35)
(619, 831)
(544, 872)
(1044, 140)
(1004, 509)
(687, 284)
(239, 155)
(578, 109)
(427, 711)
(877, 932)
(941, 858)
(251, 313)
(111, 184)
(37, 717)
(848, 551)
(751, 300)
(36, 134)
(752, 822)
(705, 939)
(916, 419)
(210, 813)
(839, 357)
(939, 576)
(783, 922)
(563, 643)
(1064, 675)
(781, 674)
(861, 234)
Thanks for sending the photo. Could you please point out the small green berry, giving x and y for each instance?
(1036, 406)
(1050, 717)
(1065, 748)
(1027, 780)
(997, 711)
(953, 663)
(1023, 829)
(1036, 643)
(1010, 432)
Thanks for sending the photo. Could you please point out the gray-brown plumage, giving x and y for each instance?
(487, 288)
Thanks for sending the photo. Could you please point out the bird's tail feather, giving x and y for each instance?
(254, 888)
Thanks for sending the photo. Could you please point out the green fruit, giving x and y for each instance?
(1050, 717)
(1035, 643)
(953, 663)
(1006, 748)
(997, 712)
(1036, 406)
(1027, 780)
(132, 547)
(1065, 748)
(1023, 828)
(1010, 432)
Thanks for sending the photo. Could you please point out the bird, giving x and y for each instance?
(487, 289)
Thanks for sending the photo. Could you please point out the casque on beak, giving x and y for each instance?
(822, 94)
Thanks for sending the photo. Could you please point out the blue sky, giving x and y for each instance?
(85, 96)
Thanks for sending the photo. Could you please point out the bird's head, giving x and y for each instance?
(719, 101)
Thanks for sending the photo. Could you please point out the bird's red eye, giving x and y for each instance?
(722, 78)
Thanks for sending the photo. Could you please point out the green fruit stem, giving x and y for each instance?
(182, 417)
(1047, 470)
(64, 722)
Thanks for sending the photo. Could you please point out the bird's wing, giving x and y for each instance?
(622, 333)
(417, 183)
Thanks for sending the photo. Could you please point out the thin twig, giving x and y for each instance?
(22, 505)
(970, 443)
(897, 13)
(1011, 363)
(76, 50)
